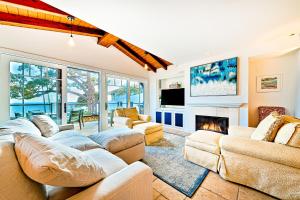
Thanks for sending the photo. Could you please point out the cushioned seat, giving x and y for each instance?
(126, 143)
(153, 131)
(74, 139)
(202, 148)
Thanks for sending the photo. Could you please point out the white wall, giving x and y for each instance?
(287, 66)
(297, 111)
(173, 71)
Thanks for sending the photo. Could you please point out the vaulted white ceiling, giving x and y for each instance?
(181, 31)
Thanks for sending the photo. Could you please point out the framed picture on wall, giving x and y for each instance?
(269, 83)
(214, 79)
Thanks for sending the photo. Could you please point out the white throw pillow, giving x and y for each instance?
(267, 128)
(50, 163)
(285, 133)
(47, 126)
(21, 125)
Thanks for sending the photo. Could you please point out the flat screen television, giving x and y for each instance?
(172, 97)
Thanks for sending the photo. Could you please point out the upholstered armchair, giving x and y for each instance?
(129, 117)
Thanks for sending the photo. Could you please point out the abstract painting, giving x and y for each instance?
(270, 83)
(214, 79)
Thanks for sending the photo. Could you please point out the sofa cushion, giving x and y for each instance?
(134, 123)
(263, 150)
(295, 139)
(286, 132)
(131, 113)
(14, 183)
(118, 139)
(74, 139)
(110, 163)
(119, 112)
(290, 119)
(204, 140)
(47, 126)
(240, 131)
(21, 125)
(149, 128)
(268, 127)
(51, 163)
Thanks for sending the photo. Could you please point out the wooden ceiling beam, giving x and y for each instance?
(133, 55)
(29, 22)
(36, 4)
(107, 40)
(160, 61)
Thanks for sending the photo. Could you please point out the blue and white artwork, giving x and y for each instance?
(214, 79)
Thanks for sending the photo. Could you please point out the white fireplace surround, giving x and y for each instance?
(232, 111)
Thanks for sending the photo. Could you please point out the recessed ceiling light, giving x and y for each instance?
(292, 34)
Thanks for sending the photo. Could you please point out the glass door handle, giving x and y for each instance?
(106, 105)
(65, 107)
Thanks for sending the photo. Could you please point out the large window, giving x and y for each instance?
(34, 90)
(83, 95)
(123, 93)
(137, 95)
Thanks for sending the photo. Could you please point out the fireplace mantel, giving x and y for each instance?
(218, 105)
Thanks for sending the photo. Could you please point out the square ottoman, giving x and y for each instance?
(126, 143)
(202, 148)
(153, 131)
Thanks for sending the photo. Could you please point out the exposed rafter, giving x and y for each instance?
(36, 4)
(135, 56)
(160, 61)
(39, 15)
(29, 22)
(107, 40)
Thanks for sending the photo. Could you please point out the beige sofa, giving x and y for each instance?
(129, 117)
(122, 181)
(266, 166)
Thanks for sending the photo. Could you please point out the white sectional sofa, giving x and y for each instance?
(122, 181)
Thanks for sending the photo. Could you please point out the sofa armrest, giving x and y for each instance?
(124, 121)
(269, 151)
(133, 182)
(66, 127)
(240, 131)
(145, 118)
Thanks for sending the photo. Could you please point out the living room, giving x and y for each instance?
(149, 100)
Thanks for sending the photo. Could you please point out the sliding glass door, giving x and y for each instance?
(83, 105)
(35, 90)
(137, 95)
(123, 93)
(117, 95)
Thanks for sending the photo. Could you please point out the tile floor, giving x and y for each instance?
(212, 188)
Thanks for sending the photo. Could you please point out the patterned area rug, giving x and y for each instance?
(167, 162)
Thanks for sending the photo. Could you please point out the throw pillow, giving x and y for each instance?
(267, 128)
(119, 112)
(132, 113)
(295, 139)
(285, 133)
(21, 125)
(47, 126)
(51, 163)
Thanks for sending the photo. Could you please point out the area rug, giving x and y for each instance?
(167, 162)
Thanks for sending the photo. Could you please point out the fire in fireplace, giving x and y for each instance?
(211, 123)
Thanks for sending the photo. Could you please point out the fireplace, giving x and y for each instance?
(211, 123)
